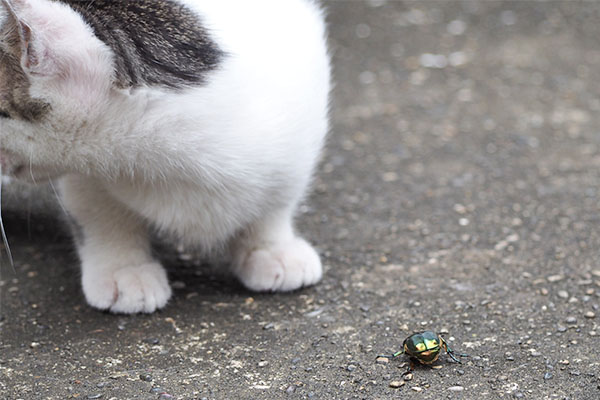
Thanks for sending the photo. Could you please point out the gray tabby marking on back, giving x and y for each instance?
(156, 42)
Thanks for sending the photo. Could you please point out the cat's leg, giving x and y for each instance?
(270, 257)
(118, 271)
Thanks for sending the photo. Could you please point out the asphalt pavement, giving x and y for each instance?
(459, 193)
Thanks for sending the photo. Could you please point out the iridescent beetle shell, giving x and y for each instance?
(424, 346)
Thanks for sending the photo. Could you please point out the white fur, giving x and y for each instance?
(227, 162)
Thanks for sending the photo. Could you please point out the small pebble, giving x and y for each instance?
(590, 314)
(351, 367)
(571, 320)
(408, 377)
(269, 326)
(416, 389)
(548, 376)
(397, 384)
(561, 328)
(456, 388)
(535, 353)
(382, 360)
(262, 364)
(508, 355)
(157, 390)
(178, 285)
(563, 294)
(460, 372)
(146, 377)
(152, 340)
(95, 395)
(290, 389)
(555, 278)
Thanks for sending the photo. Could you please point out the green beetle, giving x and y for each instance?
(424, 347)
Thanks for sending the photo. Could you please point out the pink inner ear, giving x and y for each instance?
(29, 59)
(56, 43)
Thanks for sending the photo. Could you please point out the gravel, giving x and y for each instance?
(460, 183)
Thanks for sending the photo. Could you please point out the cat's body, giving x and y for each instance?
(210, 134)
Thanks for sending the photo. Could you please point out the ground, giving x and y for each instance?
(460, 192)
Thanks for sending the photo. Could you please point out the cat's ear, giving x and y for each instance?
(35, 59)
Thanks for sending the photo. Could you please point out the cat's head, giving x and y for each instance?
(55, 77)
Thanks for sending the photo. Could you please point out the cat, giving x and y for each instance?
(203, 119)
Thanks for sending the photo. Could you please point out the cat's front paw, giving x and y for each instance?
(280, 267)
(133, 289)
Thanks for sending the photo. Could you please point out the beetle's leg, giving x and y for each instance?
(394, 355)
(451, 352)
(452, 356)
(398, 353)
(411, 367)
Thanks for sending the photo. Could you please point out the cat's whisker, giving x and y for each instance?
(29, 198)
(4, 238)
(31, 168)
(58, 199)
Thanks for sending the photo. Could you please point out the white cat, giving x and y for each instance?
(201, 118)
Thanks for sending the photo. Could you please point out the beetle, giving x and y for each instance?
(425, 348)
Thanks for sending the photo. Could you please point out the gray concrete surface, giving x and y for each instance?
(460, 192)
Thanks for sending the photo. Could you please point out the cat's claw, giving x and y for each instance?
(143, 288)
(279, 268)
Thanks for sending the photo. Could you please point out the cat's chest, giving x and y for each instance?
(190, 211)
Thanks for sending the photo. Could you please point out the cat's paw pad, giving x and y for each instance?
(282, 267)
(142, 288)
